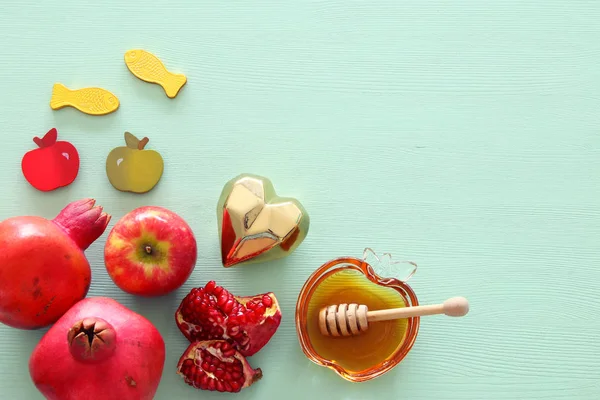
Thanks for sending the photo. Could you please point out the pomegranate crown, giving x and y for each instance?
(83, 221)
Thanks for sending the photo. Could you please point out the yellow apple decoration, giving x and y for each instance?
(131, 168)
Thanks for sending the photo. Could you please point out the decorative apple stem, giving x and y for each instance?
(48, 140)
(143, 143)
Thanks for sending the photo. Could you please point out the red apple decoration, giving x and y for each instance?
(54, 164)
(151, 251)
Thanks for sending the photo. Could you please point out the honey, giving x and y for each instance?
(370, 348)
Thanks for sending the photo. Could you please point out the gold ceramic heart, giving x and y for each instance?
(255, 224)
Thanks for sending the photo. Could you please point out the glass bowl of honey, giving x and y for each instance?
(368, 281)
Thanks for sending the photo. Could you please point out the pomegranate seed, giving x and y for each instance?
(235, 386)
(229, 352)
(211, 384)
(210, 286)
(220, 386)
(267, 300)
(250, 305)
(238, 336)
(193, 374)
(218, 345)
(259, 310)
(219, 373)
(205, 365)
(236, 375)
(228, 306)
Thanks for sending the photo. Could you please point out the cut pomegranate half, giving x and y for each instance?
(216, 365)
(211, 312)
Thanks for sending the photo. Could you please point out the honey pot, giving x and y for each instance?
(364, 281)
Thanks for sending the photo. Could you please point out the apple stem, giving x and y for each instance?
(38, 141)
(143, 143)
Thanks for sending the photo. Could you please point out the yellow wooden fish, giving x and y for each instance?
(93, 101)
(147, 67)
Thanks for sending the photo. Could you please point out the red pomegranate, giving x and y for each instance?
(99, 349)
(43, 268)
(215, 365)
(211, 312)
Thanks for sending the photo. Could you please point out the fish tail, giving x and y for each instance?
(60, 93)
(174, 84)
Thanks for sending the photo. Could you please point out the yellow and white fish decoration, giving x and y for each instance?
(147, 67)
(93, 100)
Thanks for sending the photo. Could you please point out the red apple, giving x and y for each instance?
(151, 251)
(53, 165)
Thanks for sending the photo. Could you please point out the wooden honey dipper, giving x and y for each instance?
(352, 319)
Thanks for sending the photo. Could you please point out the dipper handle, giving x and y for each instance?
(453, 307)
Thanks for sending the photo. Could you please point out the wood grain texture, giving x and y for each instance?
(464, 136)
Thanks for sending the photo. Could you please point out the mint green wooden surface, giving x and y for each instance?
(464, 136)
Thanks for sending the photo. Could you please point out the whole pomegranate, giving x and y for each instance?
(217, 366)
(43, 269)
(211, 312)
(99, 349)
